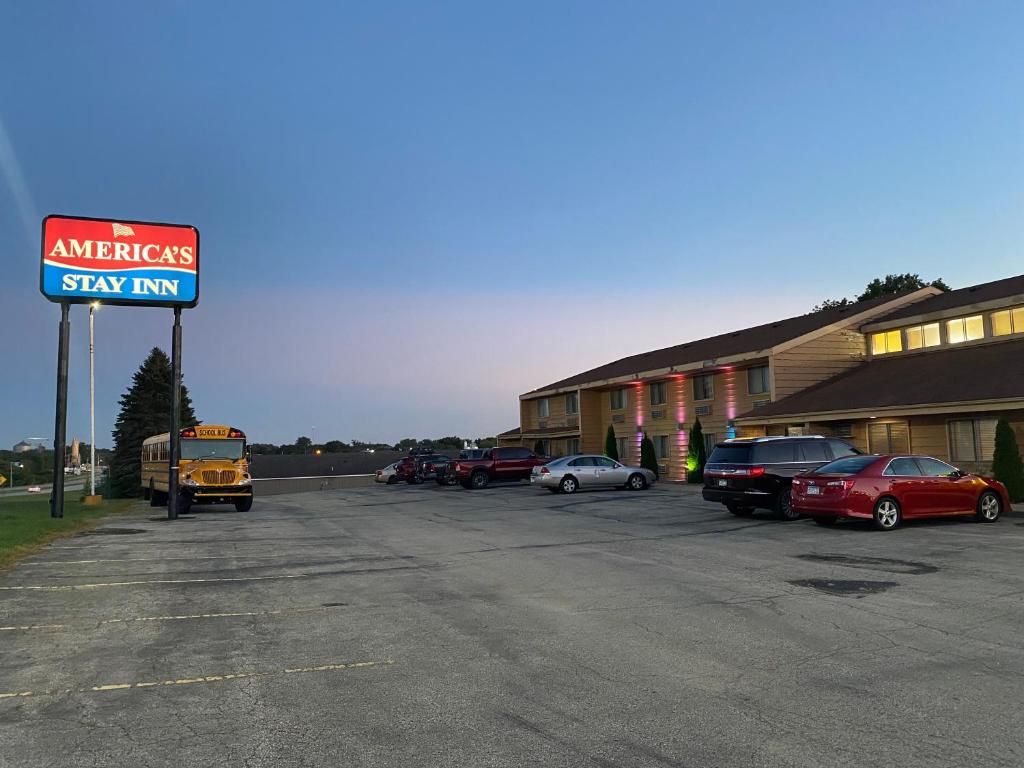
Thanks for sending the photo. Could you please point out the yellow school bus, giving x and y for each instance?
(213, 468)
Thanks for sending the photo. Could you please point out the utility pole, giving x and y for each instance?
(92, 402)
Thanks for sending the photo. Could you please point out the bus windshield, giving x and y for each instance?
(212, 449)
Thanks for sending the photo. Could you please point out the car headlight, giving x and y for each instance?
(190, 482)
(246, 480)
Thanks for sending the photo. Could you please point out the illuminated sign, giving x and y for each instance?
(119, 262)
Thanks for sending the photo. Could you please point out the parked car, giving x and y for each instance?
(445, 474)
(417, 467)
(427, 467)
(34, 489)
(888, 489)
(497, 464)
(746, 474)
(571, 473)
(388, 474)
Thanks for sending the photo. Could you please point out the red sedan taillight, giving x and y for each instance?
(845, 485)
(545, 471)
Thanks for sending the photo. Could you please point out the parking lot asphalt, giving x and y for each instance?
(426, 626)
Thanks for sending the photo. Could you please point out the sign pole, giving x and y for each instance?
(61, 421)
(172, 480)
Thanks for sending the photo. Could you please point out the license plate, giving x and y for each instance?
(722, 483)
(813, 490)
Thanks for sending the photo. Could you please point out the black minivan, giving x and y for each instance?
(756, 473)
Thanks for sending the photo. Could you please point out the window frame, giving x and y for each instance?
(892, 340)
(622, 447)
(659, 454)
(976, 435)
(710, 379)
(1014, 320)
(662, 388)
(543, 408)
(962, 321)
(617, 394)
(574, 398)
(766, 380)
(920, 329)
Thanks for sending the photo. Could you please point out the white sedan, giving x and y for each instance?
(387, 475)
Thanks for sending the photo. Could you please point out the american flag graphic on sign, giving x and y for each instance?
(122, 230)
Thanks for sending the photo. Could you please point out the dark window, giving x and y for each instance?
(774, 452)
(933, 467)
(572, 402)
(850, 465)
(814, 450)
(704, 387)
(903, 467)
(618, 397)
(757, 380)
(584, 461)
(730, 454)
(840, 449)
(604, 461)
(658, 393)
(521, 453)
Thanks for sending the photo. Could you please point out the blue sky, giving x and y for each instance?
(413, 212)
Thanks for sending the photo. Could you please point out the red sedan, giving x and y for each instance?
(889, 489)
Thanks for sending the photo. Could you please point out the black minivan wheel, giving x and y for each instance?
(784, 505)
(479, 480)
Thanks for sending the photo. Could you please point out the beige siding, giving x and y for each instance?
(592, 426)
(817, 360)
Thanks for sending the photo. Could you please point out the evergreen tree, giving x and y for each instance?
(696, 454)
(145, 411)
(648, 459)
(1007, 466)
(611, 448)
(538, 448)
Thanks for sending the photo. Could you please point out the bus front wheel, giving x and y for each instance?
(243, 505)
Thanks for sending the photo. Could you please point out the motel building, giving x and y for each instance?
(924, 372)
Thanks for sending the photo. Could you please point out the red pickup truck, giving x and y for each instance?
(497, 464)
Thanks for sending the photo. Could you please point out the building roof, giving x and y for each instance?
(978, 373)
(510, 433)
(746, 340)
(962, 297)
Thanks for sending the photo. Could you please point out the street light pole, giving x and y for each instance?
(92, 403)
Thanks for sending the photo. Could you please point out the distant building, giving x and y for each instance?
(23, 447)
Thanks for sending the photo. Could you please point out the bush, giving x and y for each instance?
(611, 448)
(648, 460)
(1007, 466)
(538, 448)
(696, 454)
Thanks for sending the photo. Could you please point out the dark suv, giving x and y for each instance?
(756, 473)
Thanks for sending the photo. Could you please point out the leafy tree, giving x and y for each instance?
(145, 411)
(893, 284)
(890, 285)
(486, 442)
(648, 459)
(611, 448)
(696, 454)
(336, 446)
(1007, 466)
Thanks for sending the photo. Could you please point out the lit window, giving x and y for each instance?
(704, 387)
(658, 393)
(1008, 321)
(542, 408)
(964, 329)
(618, 399)
(757, 380)
(923, 336)
(886, 341)
(572, 402)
